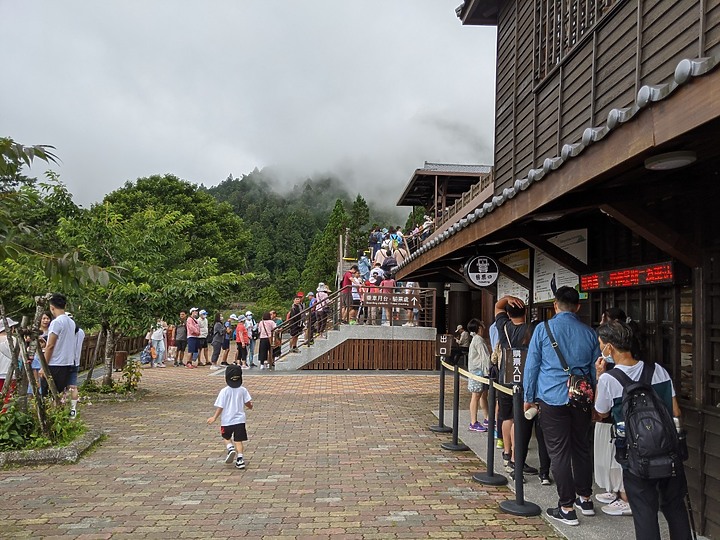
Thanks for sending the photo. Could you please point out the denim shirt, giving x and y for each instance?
(544, 378)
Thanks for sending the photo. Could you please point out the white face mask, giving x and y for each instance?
(608, 358)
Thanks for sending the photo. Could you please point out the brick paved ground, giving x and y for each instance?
(330, 455)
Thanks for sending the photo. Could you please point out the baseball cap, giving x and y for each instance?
(233, 317)
(459, 327)
(300, 294)
(233, 376)
(11, 323)
(203, 312)
(193, 309)
(311, 293)
(248, 313)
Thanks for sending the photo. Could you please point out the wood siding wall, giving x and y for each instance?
(378, 354)
(637, 43)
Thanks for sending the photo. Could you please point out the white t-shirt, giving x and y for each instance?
(64, 352)
(5, 356)
(232, 401)
(609, 389)
(79, 338)
(157, 334)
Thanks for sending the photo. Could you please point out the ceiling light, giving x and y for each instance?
(670, 160)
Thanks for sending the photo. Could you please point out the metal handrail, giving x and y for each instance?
(372, 315)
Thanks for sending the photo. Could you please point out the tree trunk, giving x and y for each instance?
(96, 353)
(39, 407)
(110, 340)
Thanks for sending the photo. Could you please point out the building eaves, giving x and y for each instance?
(684, 72)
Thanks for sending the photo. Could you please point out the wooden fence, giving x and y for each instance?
(378, 354)
(129, 344)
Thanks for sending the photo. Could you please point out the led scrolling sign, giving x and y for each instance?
(636, 276)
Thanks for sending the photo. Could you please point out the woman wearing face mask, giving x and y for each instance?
(608, 473)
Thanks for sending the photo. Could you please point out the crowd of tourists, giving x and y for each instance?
(574, 375)
(60, 341)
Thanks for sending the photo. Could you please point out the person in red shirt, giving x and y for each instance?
(242, 339)
(346, 294)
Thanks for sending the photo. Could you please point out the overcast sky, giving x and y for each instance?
(364, 90)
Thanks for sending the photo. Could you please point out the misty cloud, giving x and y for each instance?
(365, 91)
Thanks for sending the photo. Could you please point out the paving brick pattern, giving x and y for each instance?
(343, 456)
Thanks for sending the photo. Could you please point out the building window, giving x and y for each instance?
(560, 25)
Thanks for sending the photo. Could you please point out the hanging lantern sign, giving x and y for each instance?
(481, 271)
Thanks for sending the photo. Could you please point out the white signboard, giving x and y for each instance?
(481, 271)
(520, 262)
(549, 275)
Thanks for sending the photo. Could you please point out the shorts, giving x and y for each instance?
(505, 407)
(73, 376)
(193, 345)
(226, 345)
(181, 345)
(203, 344)
(356, 303)
(296, 330)
(36, 363)
(61, 375)
(237, 432)
(477, 386)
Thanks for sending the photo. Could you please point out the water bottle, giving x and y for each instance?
(620, 429)
(678, 426)
(620, 443)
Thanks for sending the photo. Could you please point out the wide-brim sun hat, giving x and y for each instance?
(11, 323)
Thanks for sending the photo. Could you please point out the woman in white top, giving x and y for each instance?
(478, 364)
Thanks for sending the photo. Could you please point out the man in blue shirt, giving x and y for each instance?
(566, 427)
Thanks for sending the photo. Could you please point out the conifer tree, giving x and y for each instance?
(322, 260)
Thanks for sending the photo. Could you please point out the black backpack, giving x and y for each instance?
(650, 448)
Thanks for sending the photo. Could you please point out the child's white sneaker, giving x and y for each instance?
(239, 463)
(231, 453)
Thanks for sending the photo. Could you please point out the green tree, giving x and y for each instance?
(216, 231)
(357, 230)
(416, 217)
(323, 258)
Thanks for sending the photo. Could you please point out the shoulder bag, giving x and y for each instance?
(580, 389)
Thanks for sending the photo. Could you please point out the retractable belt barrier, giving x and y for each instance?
(518, 507)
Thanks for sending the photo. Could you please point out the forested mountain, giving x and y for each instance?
(285, 224)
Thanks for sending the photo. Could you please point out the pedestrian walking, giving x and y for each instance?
(230, 408)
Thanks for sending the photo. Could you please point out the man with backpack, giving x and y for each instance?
(641, 398)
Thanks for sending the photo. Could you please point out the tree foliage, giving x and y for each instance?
(322, 260)
(357, 226)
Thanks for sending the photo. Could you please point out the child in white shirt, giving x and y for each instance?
(230, 407)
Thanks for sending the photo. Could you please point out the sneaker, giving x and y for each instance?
(189, 366)
(617, 508)
(214, 367)
(529, 469)
(223, 363)
(486, 423)
(505, 458)
(262, 366)
(245, 367)
(239, 463)
(159, 365)
(231, 453)
(606, 498)
(73, 414)
(586, 507)
(568, 518)
(474, 427)
(545, 479)
(499, 444)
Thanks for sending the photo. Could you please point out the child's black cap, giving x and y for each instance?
(233, 376)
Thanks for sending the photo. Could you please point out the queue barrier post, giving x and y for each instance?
(441, 427)
(489, 477)
(455, 445)
(519, 507)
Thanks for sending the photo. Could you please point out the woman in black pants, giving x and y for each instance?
(266, 327)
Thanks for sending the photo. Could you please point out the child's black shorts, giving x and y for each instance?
(238, 430)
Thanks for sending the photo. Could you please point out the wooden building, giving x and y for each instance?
(606, 177)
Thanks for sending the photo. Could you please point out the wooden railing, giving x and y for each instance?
(392, 307)
(451, 212)
(129, 344)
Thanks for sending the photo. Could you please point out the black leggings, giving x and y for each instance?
(242, 353)
(264, 352)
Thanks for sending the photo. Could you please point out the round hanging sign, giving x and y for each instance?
(481, 271)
